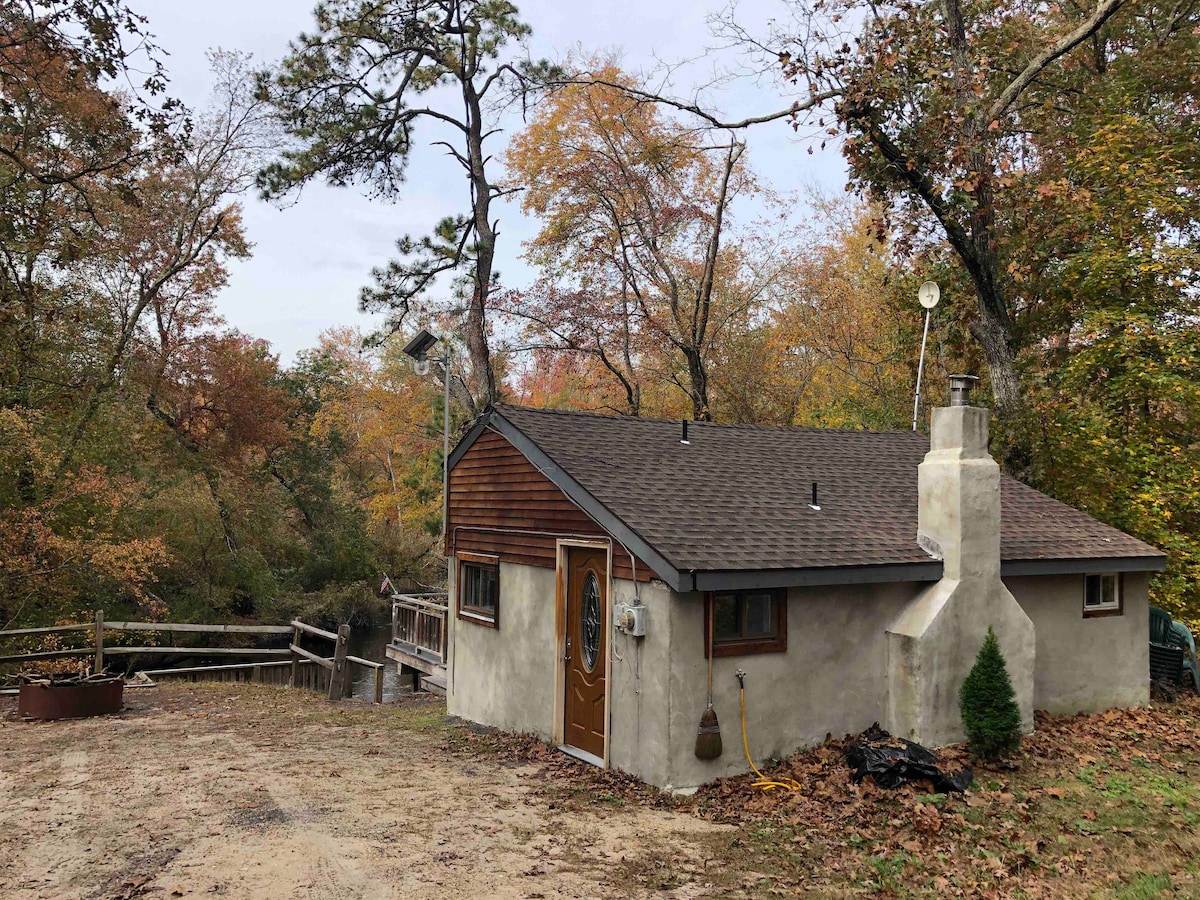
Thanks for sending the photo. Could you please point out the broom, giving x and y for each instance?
(708, 735)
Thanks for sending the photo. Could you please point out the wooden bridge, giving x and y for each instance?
(418, 644)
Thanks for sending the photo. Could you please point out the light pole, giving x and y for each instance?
(418, 350)
(928, 294)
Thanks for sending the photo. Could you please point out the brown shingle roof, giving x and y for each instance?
(736, 498)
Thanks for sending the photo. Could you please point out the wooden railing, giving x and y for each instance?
(340, 681)
(310, 676)
(99, 650)
(419, 621)
(299, 671)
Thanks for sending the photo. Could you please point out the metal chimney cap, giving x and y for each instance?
(960, 389)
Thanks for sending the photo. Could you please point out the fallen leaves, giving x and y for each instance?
(1066, 813)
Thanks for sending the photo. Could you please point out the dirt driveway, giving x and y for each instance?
(245, 791)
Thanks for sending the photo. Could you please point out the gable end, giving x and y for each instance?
(501, 504)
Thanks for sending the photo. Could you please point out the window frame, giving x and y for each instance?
(743, 646)
(1109, 609)
(465, 611)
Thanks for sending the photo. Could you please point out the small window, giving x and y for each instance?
(1101, 595)
(747, 622)
(479, 589)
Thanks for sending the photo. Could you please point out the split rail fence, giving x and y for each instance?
(301, 667)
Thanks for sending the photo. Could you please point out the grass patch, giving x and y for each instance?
(1144, 886)
(1090, 804)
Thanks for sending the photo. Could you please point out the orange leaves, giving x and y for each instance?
(72, 533)
(639, 268)
(223, 397)
(590, 155)
(926, 818)
(381, 415)
(1016, 833)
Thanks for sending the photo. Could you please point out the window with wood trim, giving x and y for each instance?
(746, 622)
(1102, 595)
(479, 588)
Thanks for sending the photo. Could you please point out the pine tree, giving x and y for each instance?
(988, 705)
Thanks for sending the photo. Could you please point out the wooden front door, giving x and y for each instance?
(587, 648)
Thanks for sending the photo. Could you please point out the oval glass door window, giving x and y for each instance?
(590, 621)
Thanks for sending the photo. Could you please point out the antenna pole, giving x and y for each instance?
(920, 371)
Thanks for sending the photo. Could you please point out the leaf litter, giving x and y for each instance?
(1093, 804)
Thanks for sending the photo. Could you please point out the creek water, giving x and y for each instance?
(369, 643)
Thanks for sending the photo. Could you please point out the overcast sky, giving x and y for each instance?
(311, 258)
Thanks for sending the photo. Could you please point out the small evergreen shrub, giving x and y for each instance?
(988, 705)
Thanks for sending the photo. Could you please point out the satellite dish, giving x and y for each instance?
(929, 294)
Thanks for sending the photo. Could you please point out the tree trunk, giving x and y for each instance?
(698, 381)
(224, 514)
(1007, 394)
(993, 328)
(485, 251)
(27, 340)
(458, 389)
(700, 312)
(633, 397)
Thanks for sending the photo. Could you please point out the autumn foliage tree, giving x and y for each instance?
(635, 251)
(136, 431)
(935, 102)
(840, 348)
(377, 412)
(67, 149)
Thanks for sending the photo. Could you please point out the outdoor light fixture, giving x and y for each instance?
(418, 348)
(418, 351)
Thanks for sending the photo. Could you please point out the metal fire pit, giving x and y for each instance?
(70, 701)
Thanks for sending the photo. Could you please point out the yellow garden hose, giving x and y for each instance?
(764, 783)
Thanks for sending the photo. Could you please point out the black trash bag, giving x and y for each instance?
(895, 761)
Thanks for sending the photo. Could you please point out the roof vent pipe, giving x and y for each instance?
(960, 389)
(684, 440)
(814, 504)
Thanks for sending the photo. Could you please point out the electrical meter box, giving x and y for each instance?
(630, 619)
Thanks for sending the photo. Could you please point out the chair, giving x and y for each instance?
(1166, 657)
(1160, 627)
(1181, 637)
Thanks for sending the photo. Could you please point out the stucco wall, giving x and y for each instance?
(830, 680)
(1086, 665)
(638, 681)
(933, 645)
(505, 676)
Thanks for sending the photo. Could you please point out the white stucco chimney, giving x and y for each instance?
(933, 643)
(958, 487)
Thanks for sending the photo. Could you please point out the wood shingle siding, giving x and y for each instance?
(494, 486)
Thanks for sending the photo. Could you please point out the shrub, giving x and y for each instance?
(988, 705)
